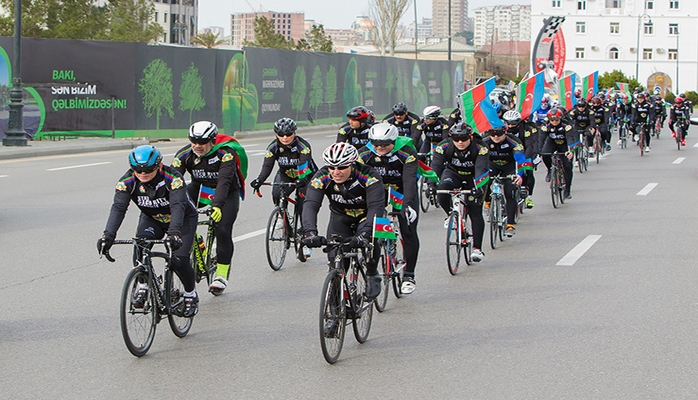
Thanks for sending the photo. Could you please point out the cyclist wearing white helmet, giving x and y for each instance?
(527, 134)
(434, 127)
(356, 197)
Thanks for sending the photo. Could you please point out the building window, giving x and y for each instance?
(649, 29)
(673, 54)
(613, 53)
(646, 54)
(581, 4)
(649, 4)
(556, 3)
(615, 27)
(165, 16)
(673, 29)
(579, 52)
(612, 3)
(581, 27)
(674, 5)
(156, 16)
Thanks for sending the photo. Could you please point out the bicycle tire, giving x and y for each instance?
(363, 315)
(297, 237)
(137, 327)
(194, 256)
(332, 317)
(386, 274)
(493, 222)
(578, 156)
(502, 219)
(453, 246)
(561, 186)
(174, 301)
(398, 266)
(585, 158)
(597, 148)
(554, 193)
(276, 239)
(424, 200)
(467, 248)
(679, 134)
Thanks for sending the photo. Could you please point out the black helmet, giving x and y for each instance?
(400, 108)
(582, 102)
(460, 129)
(359, 113)
(285, 127)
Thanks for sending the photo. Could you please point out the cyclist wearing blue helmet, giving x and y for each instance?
(160, 193)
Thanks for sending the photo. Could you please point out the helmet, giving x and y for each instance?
(602, 96)
(432, 112)
(371, 117)
(637, 89)
(340, 154)
(582, 102)
(544, 103)
(682, 95)
(285, 126)
(658, 97)
(144, 157)
(383, 132)
(578, 92)
(460, 129)
(359, 113)
(203, 132)
(512, 117)
(596, 100)
(400, 108)
(624, 96)
(678, 100)
(555, 113)
(640, 96)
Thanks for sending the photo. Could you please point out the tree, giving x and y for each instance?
(468, 35)
(386, 15)
(190, 97)
(266, 37)
(299, 89)
(609, 79)
(208, 40)
(132, 21)
(156, 88)
(316, 40)
(330, 89)
(315, 89)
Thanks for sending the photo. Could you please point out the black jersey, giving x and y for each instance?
(295, 157)
(507, 155)
(398, 170)
(217, 170)
(434, 133)
(473, 161)
(356, 137)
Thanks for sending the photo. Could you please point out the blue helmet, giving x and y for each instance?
(145, 156)
(497, 106)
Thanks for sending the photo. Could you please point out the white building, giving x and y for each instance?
(423, 31)
(179, 19)
(502, 23)
(653, 40)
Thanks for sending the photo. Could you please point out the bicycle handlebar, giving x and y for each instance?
(453, 191)
(141, 242)
(286, 184)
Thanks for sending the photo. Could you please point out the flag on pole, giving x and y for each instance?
(206, 195)
(590, 85)
(395, 198)
(566, 92)
(477, 108)
(625, 87)
(530, 94)
(510, 86)
(382, 229)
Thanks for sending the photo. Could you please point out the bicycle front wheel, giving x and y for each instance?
(138, 321)
(276, 239)
(453, 245)
(679, 135)
(174, 300)
(467, 243)
(424, 201)
(398, 265)
(332, 317)
(363, 311)
(494, 222)
(501, 218)
(386, 270)
(554, 192)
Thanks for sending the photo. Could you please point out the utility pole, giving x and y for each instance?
(15, 135)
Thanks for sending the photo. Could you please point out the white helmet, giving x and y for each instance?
(512, 117)
(432, 112)
(203, 132)
(340, 154)
(383, 132)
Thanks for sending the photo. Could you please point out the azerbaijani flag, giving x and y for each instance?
(624, 87)
(477, 108)
(482, 180)
(382, 229)
(566, 92)
(590, 85)
(530, 94)
(395, 198)
(206, 195)
(304, 170)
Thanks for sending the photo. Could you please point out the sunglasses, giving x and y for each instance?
(498, 133)
(554, 119)
(382, 143)
(399, 114)
(144, 170)
(460, 138)
(199, 140)
(286, 134)
(341, 167)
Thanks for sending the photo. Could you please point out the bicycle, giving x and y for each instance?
(623, 134)
(392, 263)
(282, 228)
(679, 128)
(657, 127)
(139, 320)
(498, 211)
(582, 155)
(459, 236)
(557, 179)
(599, 147)
(641, 137)
(426, 198)
(202, 250)
(343, 298)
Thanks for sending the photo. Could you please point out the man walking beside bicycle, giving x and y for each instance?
(395, 160)
(356, 196)
(462, 162)
(558, 136)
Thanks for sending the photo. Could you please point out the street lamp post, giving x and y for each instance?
(15, 135)
(637, 49)
(449, 30)
(676, 87)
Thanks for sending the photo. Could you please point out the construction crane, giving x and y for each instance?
(261, 8)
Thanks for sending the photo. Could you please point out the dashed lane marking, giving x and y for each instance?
(78, 166)
(645, 191)
(248, 235)
(679, 160)
(578, 250)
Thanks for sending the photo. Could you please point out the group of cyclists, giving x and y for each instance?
(369, 165)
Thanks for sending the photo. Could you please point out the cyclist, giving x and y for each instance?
(356, 195)
(461, 162)
(583, 122)
(642, 112)
(405, 124)
(395, 159)
(434, 128)
(506, 155)
(356, 133)
(295, 159)
(214, 166)
(558, 136)
(601, 116)
(538, 116)
(659, 111)
(623, 110)
(527, 134)
(160, 193)
(687, 102)
(679, 110)
(455, 116)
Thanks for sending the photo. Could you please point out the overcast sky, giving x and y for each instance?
(333, 14)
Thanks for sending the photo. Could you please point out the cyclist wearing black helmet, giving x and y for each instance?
(583, 122)
(462, 162)
(557, 135)
(642, 112)
(527, 134)
(214, 169)
(405, 124)
(356, 133)
(160, 193)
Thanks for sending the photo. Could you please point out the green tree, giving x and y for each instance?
(315, 89)
(390, 84)
(609, 79)
(468, 35)
(266, 37)
(330, 89)
(208, 40)
(156, 89)
(190, 96)
(316, 40)
(299, 88)
(132, 21)
(446, 88)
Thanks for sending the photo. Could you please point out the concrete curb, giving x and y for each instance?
(69, 146)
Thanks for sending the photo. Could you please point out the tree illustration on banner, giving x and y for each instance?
(156, 88)
(315, 95)
(299, 89)
(419, 91)
(330, 89)
(390, 85)
(190, 96)
(353, 96)
(446, 88)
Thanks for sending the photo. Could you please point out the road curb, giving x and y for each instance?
(69, 146)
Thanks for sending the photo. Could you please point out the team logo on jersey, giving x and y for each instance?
(482, 151)
(120, 186)
(354, 212)
(141, 189)
(176, 162)
(227, 157)
(378, 159)
(177, 183)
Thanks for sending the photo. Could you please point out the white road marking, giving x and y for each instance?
(259, 154)
(248, 235)
(578, 250)
(647, 189)
(168, 155)
(4, 176)
(695, 145)
(78, 166)
(334, 136)
(679, 160)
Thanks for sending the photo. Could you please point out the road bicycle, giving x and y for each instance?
(599, 148)
(557, 179)
(581, 154)
(146, 299)
(426, 197)
(657, 128)
(283, 228)
(679, 128)
(343, 297)
(641, 137)
(203, 252)
(459, 234)
(392, 264)
(623, 133)
(497, 213)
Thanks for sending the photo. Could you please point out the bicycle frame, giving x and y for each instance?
(289, 232)
(203, 259)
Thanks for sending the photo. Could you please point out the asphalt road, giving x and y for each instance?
(617, 321)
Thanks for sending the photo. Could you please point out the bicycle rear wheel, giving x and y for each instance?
(453, 246)
(424, 200)
(679, 134)
(137, 324)
(174, 301)
(585, 158)
(363, 314)
(386, 270)
(297, 237)
(276, 239)
(561, 186)
(332, 317)
(597, 148)
(554, 192)
(494, 222)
